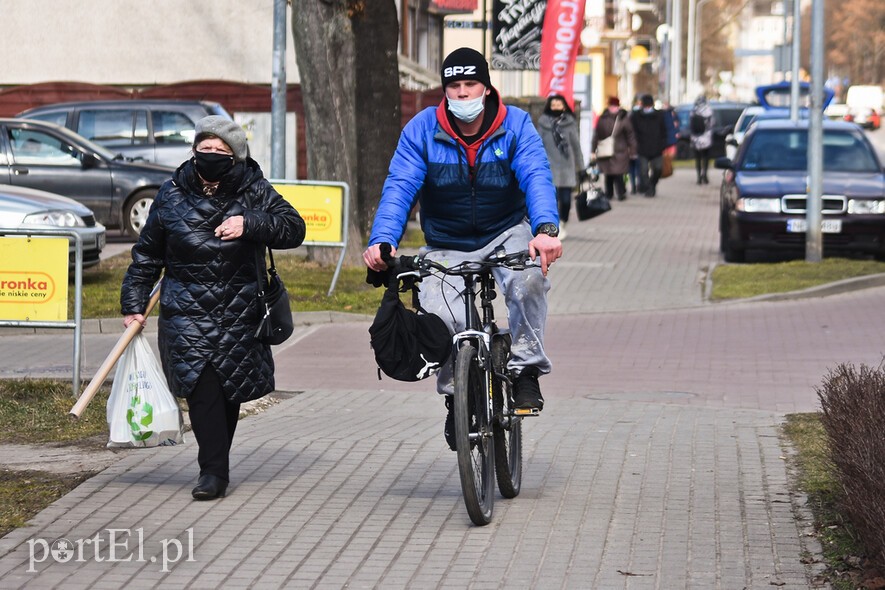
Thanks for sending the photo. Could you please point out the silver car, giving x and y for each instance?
(26, 208)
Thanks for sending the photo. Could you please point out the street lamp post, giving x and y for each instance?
(694, 43)
(691, 50)
(676, 51)
(813, 236)
(278, 93)
(797, 46)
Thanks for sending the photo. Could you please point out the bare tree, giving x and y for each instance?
(855, 43)
(378, 118)
(324, 52)
(346, 52)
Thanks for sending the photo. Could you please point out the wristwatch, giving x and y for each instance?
(548, 228)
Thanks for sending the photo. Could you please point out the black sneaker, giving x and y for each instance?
(450, 422)
(527, 392)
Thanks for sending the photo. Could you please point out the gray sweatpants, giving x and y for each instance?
(525, 295)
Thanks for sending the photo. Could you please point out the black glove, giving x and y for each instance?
(376, 278)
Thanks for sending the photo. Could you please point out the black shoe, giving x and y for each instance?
(527, 392)
(450, 422)
(622, 197)
(209, 487)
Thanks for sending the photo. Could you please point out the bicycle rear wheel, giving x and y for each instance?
(507, 428)
(475, 443)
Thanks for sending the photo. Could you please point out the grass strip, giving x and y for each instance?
(734, 281)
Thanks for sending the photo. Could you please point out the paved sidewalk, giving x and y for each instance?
(657, 462)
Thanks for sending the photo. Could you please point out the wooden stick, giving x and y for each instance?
(119, 348)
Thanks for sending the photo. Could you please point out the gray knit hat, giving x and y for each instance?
(226, 130)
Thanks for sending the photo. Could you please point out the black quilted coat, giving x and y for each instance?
(209, 296)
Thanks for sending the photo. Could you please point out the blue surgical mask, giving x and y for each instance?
(467, 110)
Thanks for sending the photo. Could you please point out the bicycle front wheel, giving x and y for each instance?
(506, 426)
(476, 453)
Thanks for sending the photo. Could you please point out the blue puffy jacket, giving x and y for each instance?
(511, 181)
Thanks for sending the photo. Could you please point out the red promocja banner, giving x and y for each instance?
(560, 41)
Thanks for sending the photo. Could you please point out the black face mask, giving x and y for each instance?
(212, 166)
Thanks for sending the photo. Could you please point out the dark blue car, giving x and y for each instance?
(763, 192)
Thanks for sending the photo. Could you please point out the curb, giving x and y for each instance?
(115, 325)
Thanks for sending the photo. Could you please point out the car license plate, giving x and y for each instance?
(827, 226)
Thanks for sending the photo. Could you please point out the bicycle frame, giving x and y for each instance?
(488, 432)
(479, 330)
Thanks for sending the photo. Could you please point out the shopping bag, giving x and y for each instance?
(141, 411)
(666, 165)
(591, 203)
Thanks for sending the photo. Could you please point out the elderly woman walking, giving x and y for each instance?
(206, 233)
(614, 123)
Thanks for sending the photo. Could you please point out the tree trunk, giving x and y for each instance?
(378, 119)
(324, 52)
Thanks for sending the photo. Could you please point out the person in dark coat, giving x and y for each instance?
(558, 129)
(207, 233)
(615, 120)
(651, 138)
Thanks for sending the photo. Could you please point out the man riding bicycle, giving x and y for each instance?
(481, 175)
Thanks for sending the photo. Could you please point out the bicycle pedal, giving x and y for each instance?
(523, 412)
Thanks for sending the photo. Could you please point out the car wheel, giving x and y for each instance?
(723, 229)
(136, 211)
(732, 254)
(729, 252)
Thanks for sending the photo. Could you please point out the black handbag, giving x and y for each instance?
(276, 325)
(591, 203)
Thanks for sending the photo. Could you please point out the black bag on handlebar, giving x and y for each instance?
(408, 346)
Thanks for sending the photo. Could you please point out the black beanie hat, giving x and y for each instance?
(465, 64)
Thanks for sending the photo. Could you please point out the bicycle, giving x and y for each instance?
(488, 429)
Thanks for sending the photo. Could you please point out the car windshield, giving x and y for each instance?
(744, 122)
(787, 149)
(728, 116)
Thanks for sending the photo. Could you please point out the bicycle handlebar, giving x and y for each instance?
(419, 266)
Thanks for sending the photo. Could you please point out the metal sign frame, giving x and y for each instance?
(77, 323)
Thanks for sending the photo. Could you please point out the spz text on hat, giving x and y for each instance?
(453, 71)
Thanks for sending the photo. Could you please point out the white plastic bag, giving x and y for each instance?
(142, 412)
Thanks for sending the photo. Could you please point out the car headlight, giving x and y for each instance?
(868, 206)
(56, 218)
(758, 205)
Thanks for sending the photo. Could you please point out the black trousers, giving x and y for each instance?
(614, 186)
(701, 163)
(564, 201)
(214, 421)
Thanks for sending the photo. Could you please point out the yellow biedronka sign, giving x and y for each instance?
(320, 206)
(34, 279)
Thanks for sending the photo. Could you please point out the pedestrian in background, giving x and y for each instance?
(633, 169)
(651, 138)
(206, 233)
(614, 122)
(671, 120)
(700, 124)
(558, 129)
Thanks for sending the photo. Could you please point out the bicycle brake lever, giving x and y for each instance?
(409, 273)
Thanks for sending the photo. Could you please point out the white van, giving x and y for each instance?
(865, 105)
